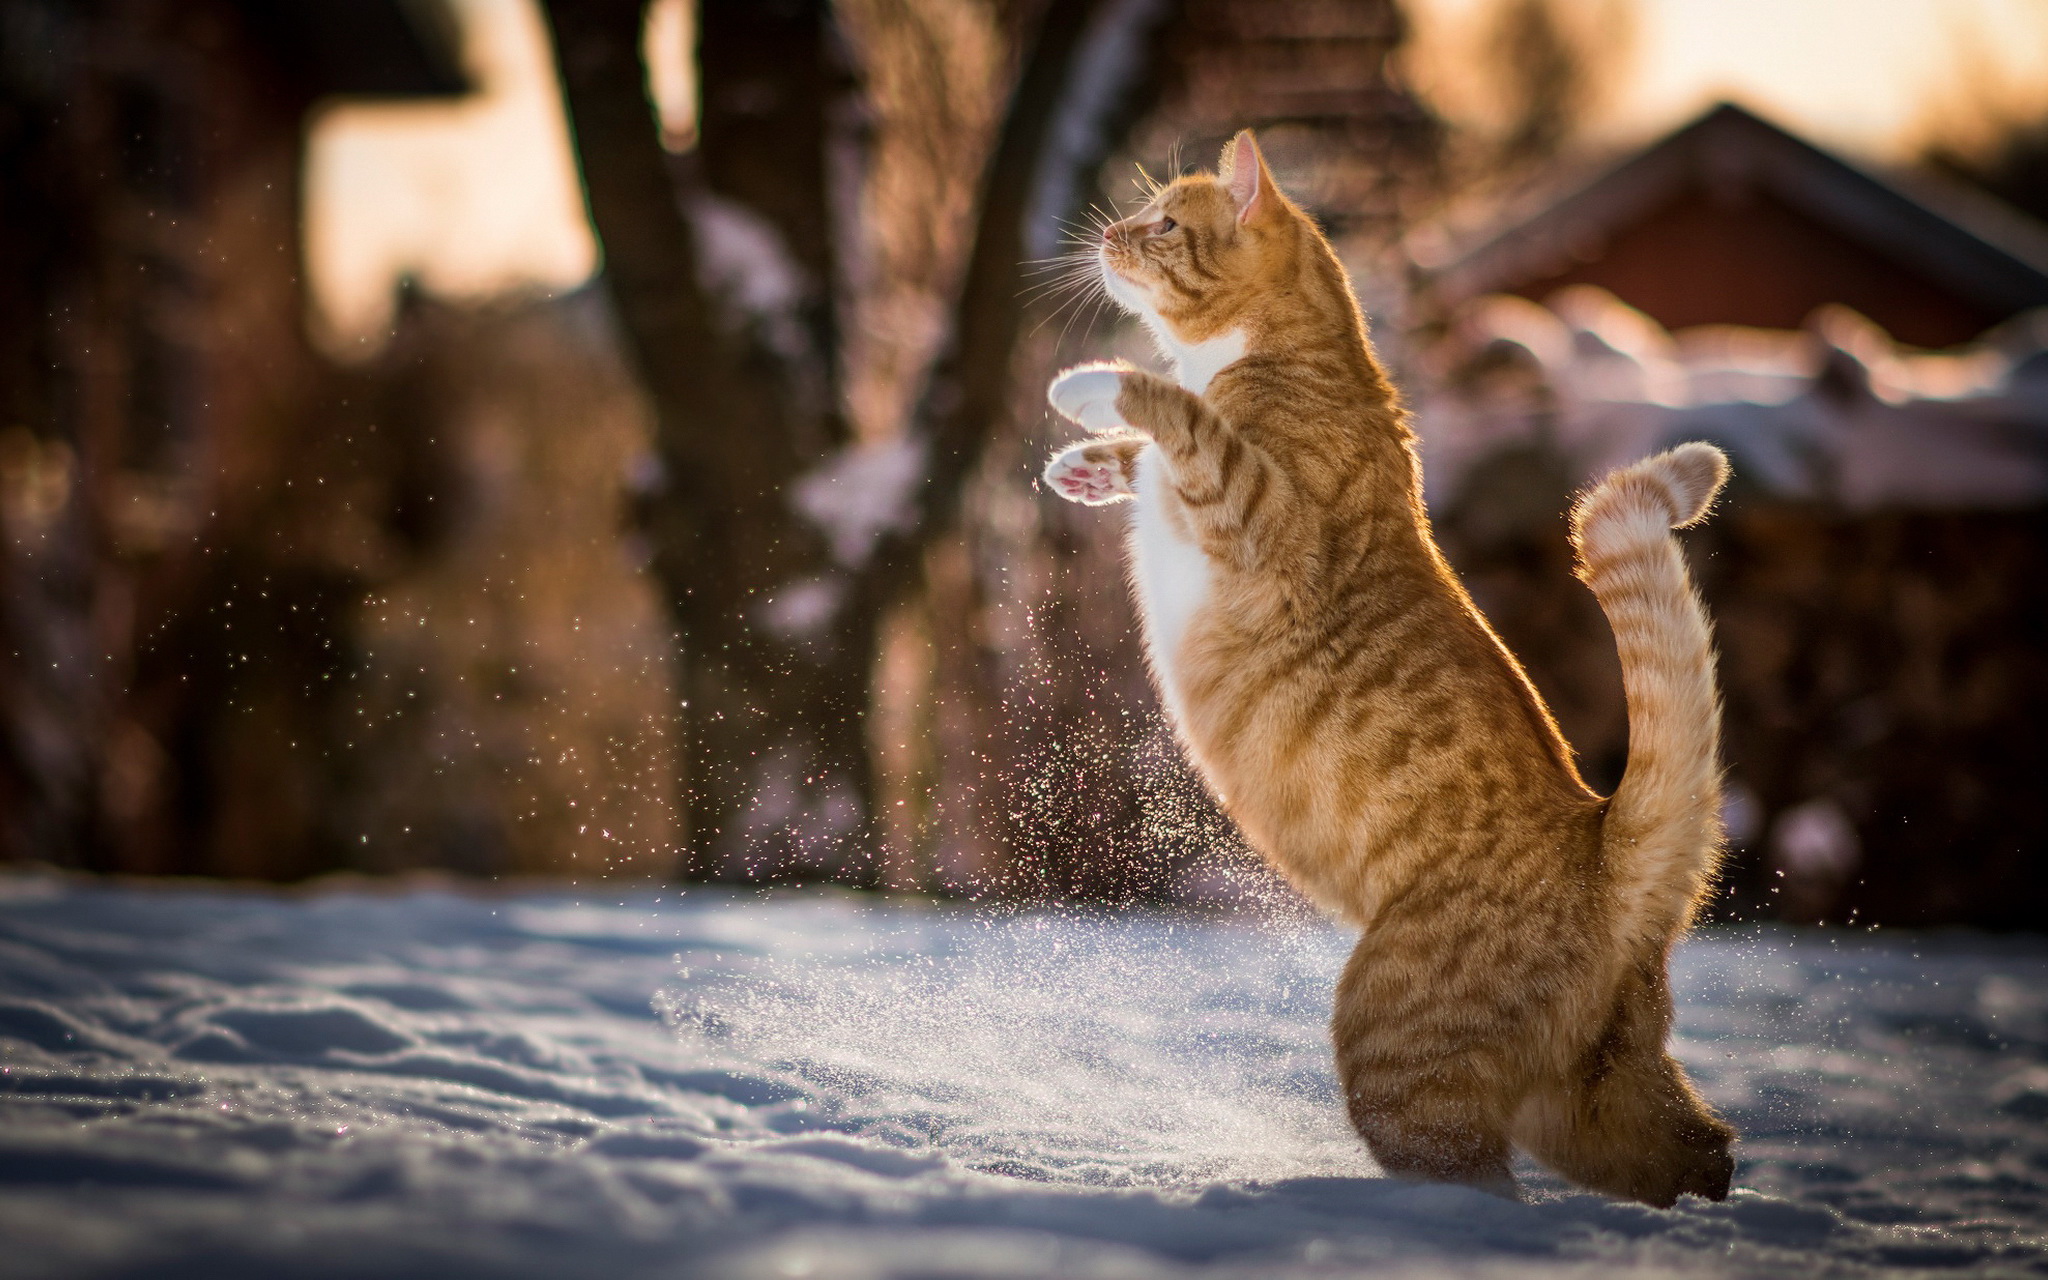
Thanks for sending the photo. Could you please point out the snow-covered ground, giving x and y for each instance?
(211, 1084)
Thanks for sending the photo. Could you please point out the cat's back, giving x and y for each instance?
(1339, 680)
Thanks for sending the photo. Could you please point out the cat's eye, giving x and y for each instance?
(1163, 226)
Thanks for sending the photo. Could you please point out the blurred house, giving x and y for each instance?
(1877, 576)
(162, 420)
(1732, 220)
(200, 511)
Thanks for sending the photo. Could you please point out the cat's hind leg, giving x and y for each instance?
(1626, 1121)
(1429, 1127)
(1097, 471)
(1431, 1093)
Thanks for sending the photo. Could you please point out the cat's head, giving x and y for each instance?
(1205, 246)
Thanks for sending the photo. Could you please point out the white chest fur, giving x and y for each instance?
(1200, 362)
(1171, 570)
(1173, 573)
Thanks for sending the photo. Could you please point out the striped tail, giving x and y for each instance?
(1662, 837)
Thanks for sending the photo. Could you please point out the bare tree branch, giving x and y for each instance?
(779, 711)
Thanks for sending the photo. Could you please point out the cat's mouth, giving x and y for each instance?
(1125, 292)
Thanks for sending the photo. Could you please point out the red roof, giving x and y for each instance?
(1733, 220)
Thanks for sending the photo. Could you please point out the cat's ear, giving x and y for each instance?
(1244, 172)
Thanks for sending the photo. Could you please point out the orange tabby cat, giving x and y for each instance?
(1372, 736)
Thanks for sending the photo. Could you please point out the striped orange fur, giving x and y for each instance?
(1372, 736)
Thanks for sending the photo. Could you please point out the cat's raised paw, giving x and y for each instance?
(1087, 395)
(1090, 474)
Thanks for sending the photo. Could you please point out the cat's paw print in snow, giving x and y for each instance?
(1076, 478)
(1087, 395)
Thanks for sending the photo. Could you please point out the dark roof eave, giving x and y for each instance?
(365, 48)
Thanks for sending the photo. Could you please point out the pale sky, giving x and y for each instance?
(1866, 76)
(481, 196)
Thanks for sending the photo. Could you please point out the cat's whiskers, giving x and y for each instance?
(1068, 273)
(1082, 298)
(1072, 278)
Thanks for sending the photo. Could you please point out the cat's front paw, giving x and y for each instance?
(1087, 395)
(1090, 474)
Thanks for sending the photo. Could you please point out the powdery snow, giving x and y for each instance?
(202, 1083)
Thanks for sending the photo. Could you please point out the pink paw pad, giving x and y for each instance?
(1076, 479)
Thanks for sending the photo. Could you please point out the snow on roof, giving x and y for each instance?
(1836, 413)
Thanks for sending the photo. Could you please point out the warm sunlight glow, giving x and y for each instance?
(481, 195)
(668, 45)
(1869, 76)
(469, 197)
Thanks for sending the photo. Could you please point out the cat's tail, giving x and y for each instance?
(1662, 836)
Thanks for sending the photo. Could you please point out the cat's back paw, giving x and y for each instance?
(1087, 394)
(1094, 473)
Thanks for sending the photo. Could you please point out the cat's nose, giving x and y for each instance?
(1109, 234)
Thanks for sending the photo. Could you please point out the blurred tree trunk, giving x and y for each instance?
(731, 436)
(721, 267)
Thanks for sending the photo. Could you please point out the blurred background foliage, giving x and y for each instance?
(598, 438)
